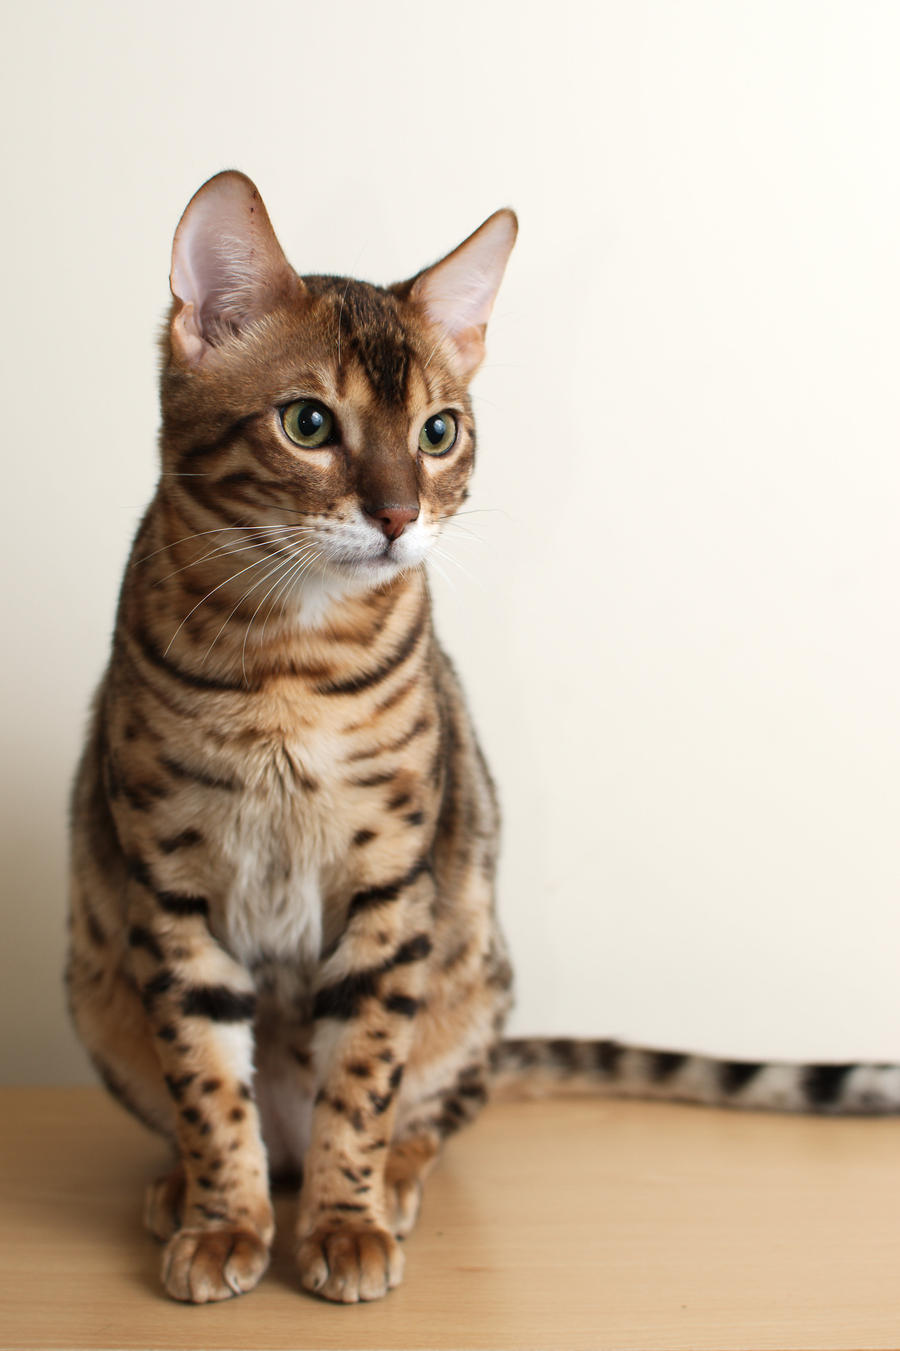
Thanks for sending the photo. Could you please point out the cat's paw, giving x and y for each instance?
(200, 1265)
(350, 1263)
(163, 1202)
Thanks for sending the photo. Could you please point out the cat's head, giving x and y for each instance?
(325, 405)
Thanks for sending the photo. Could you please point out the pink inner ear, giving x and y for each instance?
(458, 293)
(227, 265)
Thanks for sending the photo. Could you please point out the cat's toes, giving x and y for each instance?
(200, 1265)
(350, 1264)
(404, 1199)
(162, 1204)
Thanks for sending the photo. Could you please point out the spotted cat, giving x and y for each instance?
(284, 951)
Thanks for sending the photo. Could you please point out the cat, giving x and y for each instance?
(284, 950)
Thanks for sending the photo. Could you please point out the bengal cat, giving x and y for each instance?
(284, 949)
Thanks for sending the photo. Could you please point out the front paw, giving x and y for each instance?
(200, 1265)
(350, 1262)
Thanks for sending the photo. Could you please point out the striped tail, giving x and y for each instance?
(538, 1067)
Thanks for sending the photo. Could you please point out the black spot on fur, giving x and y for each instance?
(159, 984)
(373, 780)
(193, 679)
(183, 840)
(380, 1102)
(564, 1052)
(402, 1004)
(181, 771)
(364, 836)
(607, 1056)
(378, 673)
(396, 1076)
(823, 1084)
(218, 1003)
(734, 1074)
(175, 903)
(413, 950)
(389, 891)
(665, 1064)
(140, 873)
(177, 1085)
(139, 937)
(210, 1085)
(343, 998)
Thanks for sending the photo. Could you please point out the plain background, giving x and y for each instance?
(678, 625)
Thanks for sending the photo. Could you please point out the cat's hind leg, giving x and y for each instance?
(164, 1204)
(409, 1162)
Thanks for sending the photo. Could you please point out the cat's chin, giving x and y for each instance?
(369, 571)
(320, 591)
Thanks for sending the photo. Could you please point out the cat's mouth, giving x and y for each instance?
(377, 560)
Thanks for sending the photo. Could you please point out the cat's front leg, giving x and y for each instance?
(370, 992)
(200, 1003)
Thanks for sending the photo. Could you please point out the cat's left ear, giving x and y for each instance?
(228, 268)
(458, 293)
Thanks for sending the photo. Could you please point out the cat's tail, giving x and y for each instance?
(541, 1067)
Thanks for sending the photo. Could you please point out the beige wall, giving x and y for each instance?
(679, 626)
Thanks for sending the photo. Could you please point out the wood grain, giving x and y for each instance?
(564, 1225)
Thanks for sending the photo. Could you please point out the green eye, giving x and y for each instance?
(438, 434)
(307, 423)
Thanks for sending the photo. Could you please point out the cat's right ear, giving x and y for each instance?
(227, 266)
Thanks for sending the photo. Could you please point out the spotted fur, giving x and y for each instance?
(284, 952)
(531, 1067)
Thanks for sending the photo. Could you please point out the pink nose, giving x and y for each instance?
(393, 520)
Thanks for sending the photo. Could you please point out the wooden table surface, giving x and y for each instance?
(566, 1224)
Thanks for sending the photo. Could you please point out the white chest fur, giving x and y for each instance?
(280, 840)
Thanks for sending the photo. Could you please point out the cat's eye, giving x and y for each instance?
(309, 424)
(438, 434)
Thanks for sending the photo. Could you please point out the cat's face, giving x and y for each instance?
(334, 413)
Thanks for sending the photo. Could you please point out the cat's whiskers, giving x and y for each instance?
(259, 563)
(443, 553)
(288, 563)
(218, 530)
(283, 588)
(475, 511)
(292, 581)
(226, 550)
(466, 536)
(432, 562)
(291, 551)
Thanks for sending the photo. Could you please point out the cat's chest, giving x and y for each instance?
(281, 841)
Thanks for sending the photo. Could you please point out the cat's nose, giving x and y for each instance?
(393, 520)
